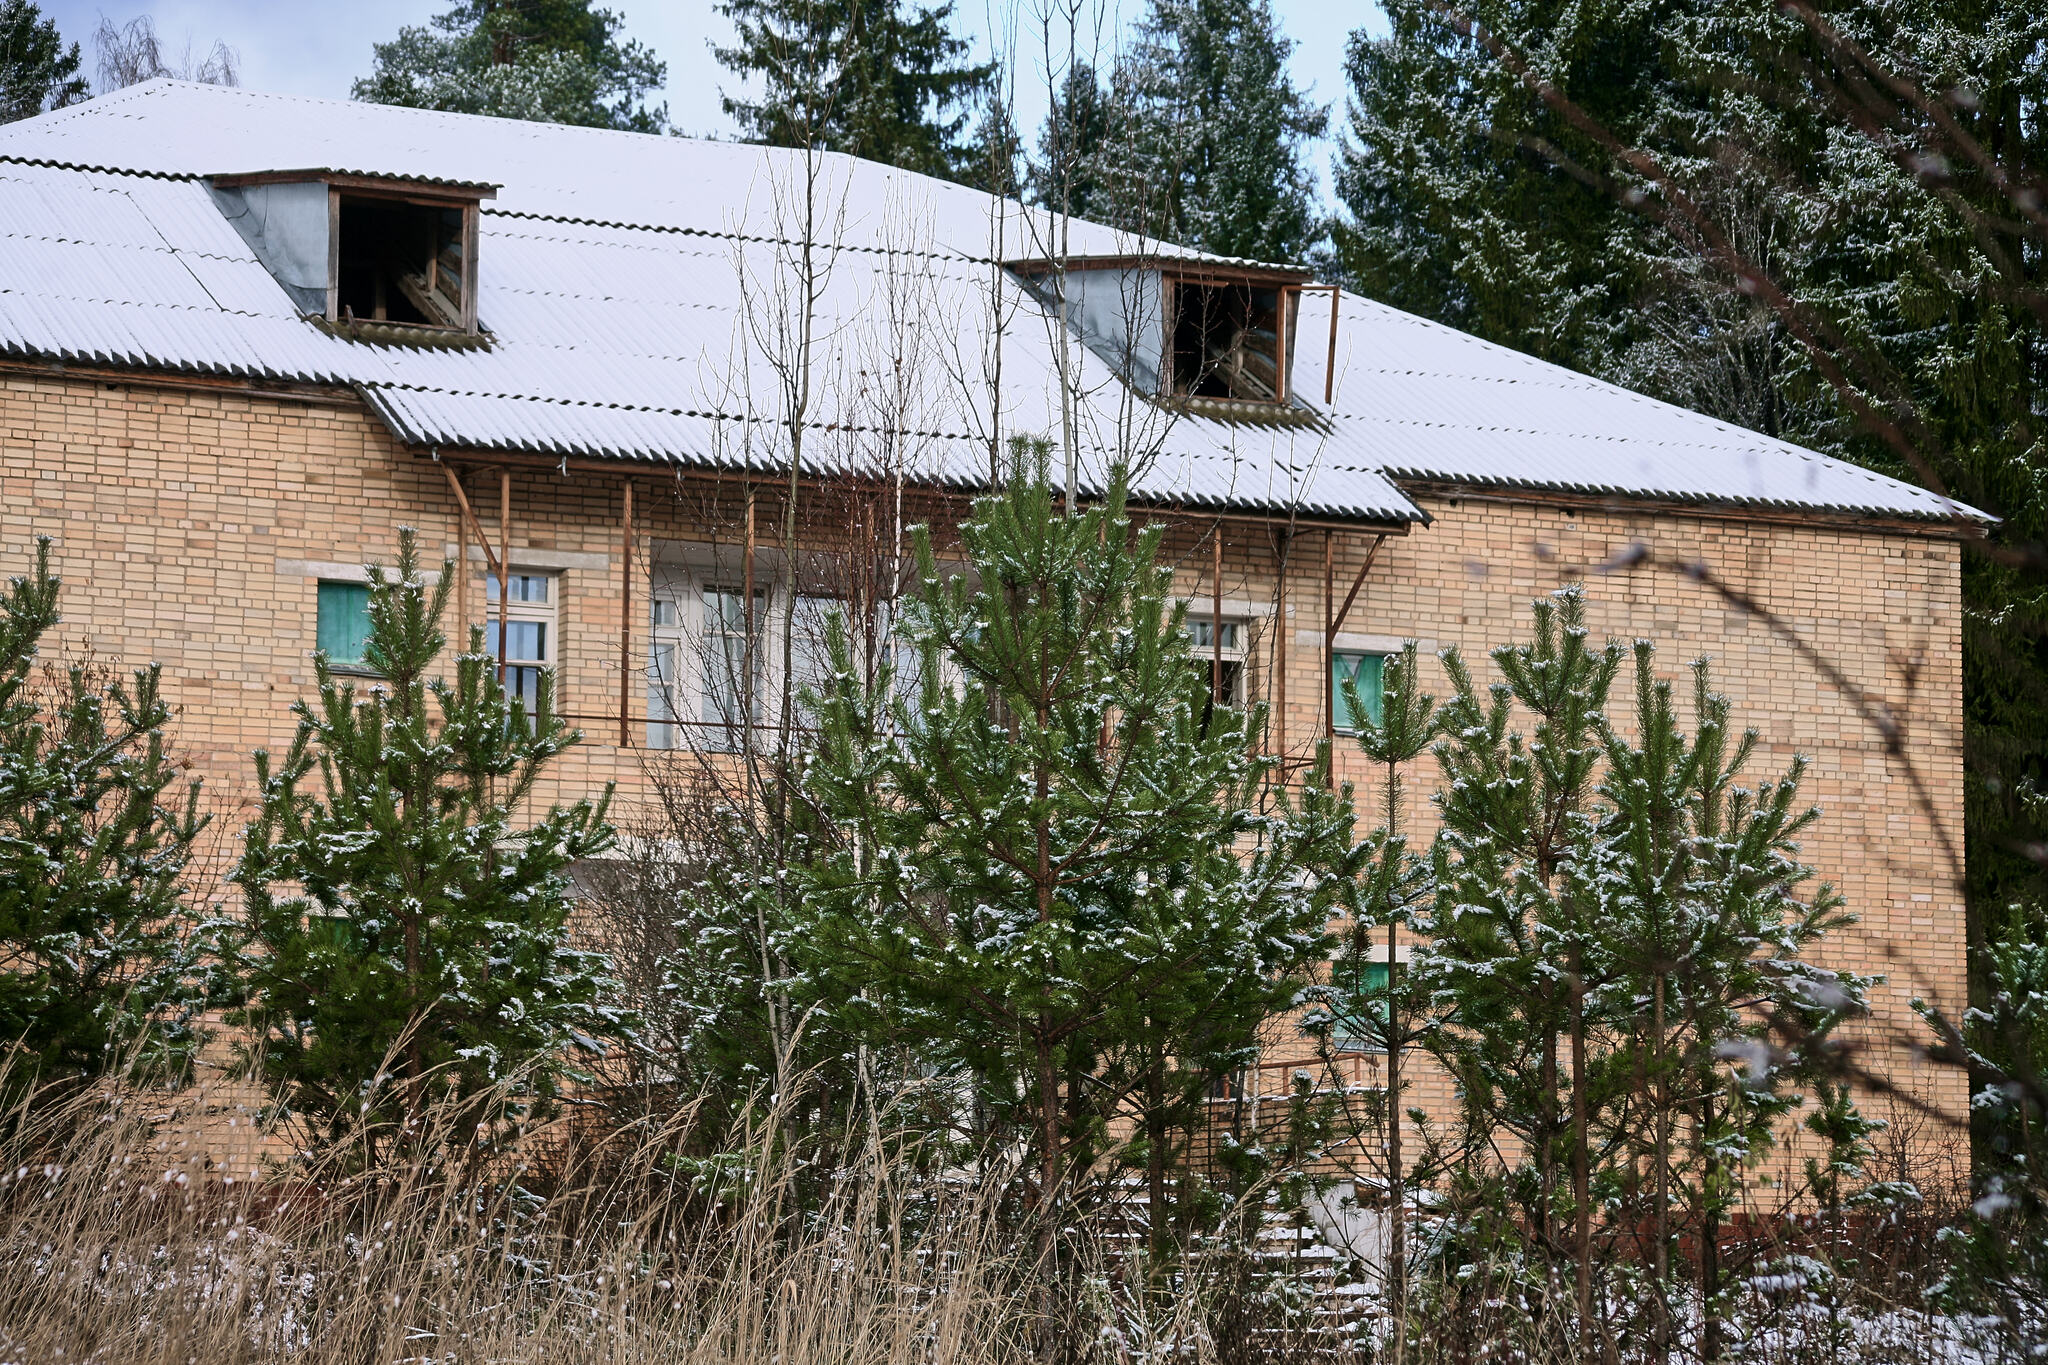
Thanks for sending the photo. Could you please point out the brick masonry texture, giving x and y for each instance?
(186, 522)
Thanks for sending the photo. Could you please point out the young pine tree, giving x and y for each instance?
(1050, 876)
(1509, 947)
(402, 924)
(1616, 925)
(1385, 882)
(1706, 922)
(98, 964)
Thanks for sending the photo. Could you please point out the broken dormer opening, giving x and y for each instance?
(1181, 329)
(403, 262)
(373, 258)
(1230, 339)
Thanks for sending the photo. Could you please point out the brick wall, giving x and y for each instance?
(191, 528)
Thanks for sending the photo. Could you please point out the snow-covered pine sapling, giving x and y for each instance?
(1384, 883)
(402, 924)
(1509, 950)
(1708, 919)
(1050, 876)
(101, 967)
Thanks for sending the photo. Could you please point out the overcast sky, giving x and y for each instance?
(317, 47)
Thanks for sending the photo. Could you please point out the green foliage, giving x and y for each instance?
(37, 72)
(1383, 881)
(886, 80)
(401, 924)
(1048, 875)
(1619, 895)
(1200, 137)
(98, 967)
(549, 61)
(2003, 1262)
(1915, 270)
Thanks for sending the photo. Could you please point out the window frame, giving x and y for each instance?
(1176, 288)
(520, 610)
(465, 198)
(1340, 722)
(1345, 1044)
(679, 644)
(1203, 655)
(352, 666)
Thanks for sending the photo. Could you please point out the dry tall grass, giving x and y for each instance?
(118, 1247)
(644, 1242)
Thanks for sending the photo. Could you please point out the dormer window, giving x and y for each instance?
(373, 258)
(1229, 339)
(403, 261)
(1179, 328)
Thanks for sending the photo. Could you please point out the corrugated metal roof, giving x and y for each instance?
(630, 285)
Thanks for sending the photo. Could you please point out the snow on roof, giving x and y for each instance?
(624, 279)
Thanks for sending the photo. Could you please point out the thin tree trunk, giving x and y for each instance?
(1397, 1192)
(1661, 1255)
(1582, 1212)
(1710, 1237)
(1155, 1158)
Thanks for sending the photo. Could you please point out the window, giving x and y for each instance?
(698, 663)
(529, 631)
(1364, 672)
(1226, 340)
(343, 622)
(698, 695)
(1178, 330)
(402, 261)
(1227, 677)
(374, 258)
(1360, 1004)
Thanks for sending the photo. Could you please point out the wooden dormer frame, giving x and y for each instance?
(1174, 273)
(464, 197)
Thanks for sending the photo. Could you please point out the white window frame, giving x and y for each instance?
(1203, 654)
(547, 614)
(676, 654)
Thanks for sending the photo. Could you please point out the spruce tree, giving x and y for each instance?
(887, 80)
(1048, 874)
(548, 61)
(402, 924)
(1472, 201)
(99, 961)
(37, 72)
(1203, 140)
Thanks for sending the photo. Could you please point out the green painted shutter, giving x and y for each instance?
(1364, 671)
(344, 621)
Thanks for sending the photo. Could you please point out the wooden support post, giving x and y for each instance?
(1329, 636)
(469, 516)
(504, 564)
(1371, 553)
(1216, 619)
(1283, 640)
(1330, 365)
(626, 617)
(461, 564)
(1280, 345)
(745, 688)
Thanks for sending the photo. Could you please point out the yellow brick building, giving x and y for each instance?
(245, 338)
